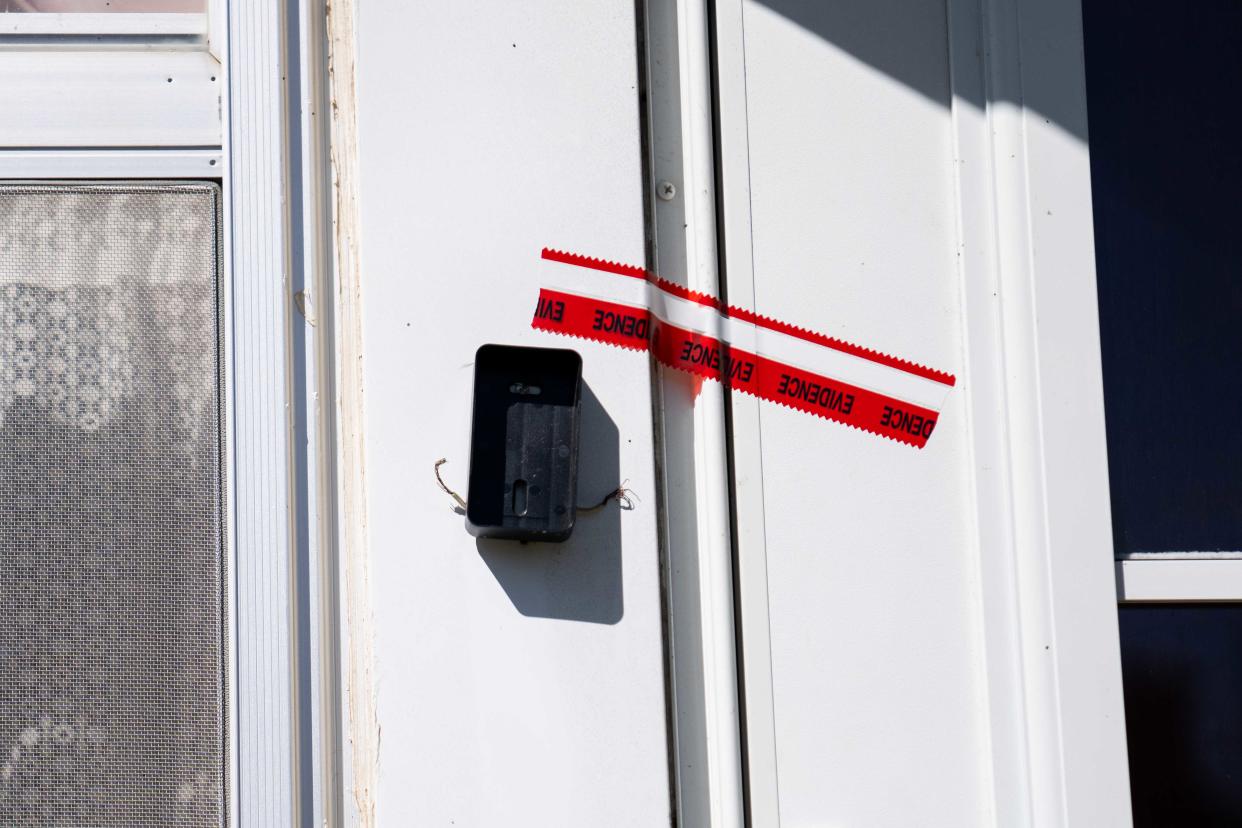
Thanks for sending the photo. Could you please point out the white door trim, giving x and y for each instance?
(691, 429)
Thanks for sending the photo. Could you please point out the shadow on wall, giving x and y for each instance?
(891, 36)
(580, 579)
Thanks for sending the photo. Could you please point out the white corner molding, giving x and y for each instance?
(1033, 375)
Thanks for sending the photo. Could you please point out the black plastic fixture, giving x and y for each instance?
(524, 443)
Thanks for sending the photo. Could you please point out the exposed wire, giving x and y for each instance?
(461, 504)
(625, 498)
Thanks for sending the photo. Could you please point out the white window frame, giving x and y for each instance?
(112, 80)
(63, 24)
(285, 682)
(43, 163)
(263, 66)
(1166, 577)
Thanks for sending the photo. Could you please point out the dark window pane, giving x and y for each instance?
(1182, 666)
(1163, 81)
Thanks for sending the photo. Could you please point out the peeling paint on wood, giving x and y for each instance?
(363, 726)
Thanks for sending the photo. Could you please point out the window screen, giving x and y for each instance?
(112, 625)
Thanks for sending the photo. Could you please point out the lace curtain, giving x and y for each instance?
(111, 590)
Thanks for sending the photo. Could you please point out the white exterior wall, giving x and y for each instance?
(937, 638)
(941, 623)
(516, 685)
(928, 637)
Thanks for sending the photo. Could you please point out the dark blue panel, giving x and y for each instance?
(1164, 84)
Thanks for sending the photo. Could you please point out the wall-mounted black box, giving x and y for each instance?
(524, 443)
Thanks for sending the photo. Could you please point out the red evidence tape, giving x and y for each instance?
(772, 360)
